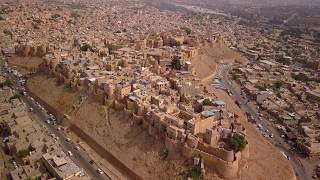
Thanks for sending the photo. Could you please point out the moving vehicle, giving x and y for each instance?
(99, 171)
(70, 153)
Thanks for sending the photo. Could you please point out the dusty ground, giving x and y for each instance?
(210, 55)
(56, 95)
(24, 64)
(129, 143)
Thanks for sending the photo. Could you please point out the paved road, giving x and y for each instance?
(277, 140)
(79, 156)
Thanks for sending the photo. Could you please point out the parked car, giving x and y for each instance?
(14, 163)
(81, 174)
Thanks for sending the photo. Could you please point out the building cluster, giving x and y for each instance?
(32, 152)
(139, 80)
(288, 96)
(263, 42)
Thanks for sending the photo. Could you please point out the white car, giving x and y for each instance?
(99, 171)
(14, 163)
(82, 173)
(70, 153)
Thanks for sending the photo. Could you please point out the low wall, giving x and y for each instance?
(104, 153)
(219, 152)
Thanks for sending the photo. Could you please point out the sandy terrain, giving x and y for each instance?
(129, 143)
(209, 56)
(57, 96)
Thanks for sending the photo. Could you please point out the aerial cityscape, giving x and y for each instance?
(159, 89)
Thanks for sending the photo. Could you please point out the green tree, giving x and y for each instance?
(238, 142)
(5, 83)
(187, 30)
(75, 15)
(122, 63)
(235, 76)
(260, 88)
(86, 47)
(175, 63)
(278, 84)
(8, 32)
(111, 47)
(193, 173)
(16, 96)
(55, 16)
(300, 77)
(207, 102)
(23, 153)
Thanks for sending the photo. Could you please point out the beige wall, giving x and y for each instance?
(201, 125)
